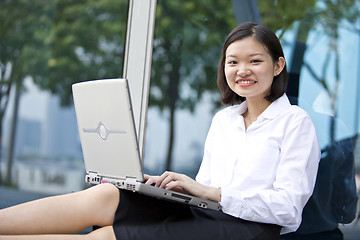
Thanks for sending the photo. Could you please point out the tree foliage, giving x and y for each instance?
(188, 39)
(87, 43)
(60, 42)
(24, 30)
(187, 43)
(281, 15)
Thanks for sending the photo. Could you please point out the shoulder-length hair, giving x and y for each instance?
(271, 43)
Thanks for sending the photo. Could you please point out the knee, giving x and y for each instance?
(105, 199)
(105, 191)
(102, 193)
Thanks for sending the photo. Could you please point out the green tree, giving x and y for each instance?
(187, 42)
(24, 27)
(58, 43)
(61, 42)
(87, 43)
(280, 15)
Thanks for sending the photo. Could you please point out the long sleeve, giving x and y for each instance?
(266, 173)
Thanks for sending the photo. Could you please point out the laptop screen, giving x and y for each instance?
(106, 128)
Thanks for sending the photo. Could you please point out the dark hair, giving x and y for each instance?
(271, 43)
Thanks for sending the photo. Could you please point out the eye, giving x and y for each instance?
(255, 61)
(231, 62)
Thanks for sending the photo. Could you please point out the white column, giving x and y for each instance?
(137, 60)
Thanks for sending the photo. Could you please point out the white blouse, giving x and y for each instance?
(266, 173)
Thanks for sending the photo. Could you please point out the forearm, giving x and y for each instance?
(211, 193)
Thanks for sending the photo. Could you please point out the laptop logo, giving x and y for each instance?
(103, 130)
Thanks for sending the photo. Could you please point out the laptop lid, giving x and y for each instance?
(107, 129)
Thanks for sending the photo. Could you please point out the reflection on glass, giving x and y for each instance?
(327, 41)
(187, 43)
(50, 45)
(321, 44)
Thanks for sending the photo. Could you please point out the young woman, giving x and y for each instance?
(260, 162)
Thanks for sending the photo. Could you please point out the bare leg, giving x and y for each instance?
(105, 233)
(70, 213)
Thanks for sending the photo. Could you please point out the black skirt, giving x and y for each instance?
(143, 217)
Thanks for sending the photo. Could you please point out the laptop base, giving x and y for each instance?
(131, 184)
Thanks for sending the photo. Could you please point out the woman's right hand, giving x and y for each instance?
(151, 180)
(184, 184)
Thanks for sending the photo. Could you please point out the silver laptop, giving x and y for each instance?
(109, 141)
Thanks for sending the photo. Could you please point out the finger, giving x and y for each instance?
(150, 179)
(168, 178)
(163, 179)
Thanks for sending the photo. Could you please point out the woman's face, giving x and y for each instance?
(249, 69)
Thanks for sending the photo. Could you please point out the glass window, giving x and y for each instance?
(183, 94)
(321, 45)
(322, 50)
(46, 46)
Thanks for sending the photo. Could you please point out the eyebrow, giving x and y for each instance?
(251, 55)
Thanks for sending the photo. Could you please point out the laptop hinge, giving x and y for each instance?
(131, 183)
(92, 177)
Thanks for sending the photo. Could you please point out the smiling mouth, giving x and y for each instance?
(245, 81)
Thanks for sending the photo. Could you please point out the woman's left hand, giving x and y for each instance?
(184, 184)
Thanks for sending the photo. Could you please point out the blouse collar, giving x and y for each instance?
(273, 110)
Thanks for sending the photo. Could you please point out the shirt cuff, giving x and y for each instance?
(229, 204)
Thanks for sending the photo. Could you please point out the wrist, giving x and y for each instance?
(218, 194)
(214, 194)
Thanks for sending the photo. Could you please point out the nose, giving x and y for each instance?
(243, 71)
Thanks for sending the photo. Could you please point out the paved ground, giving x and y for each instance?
(10, 197)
